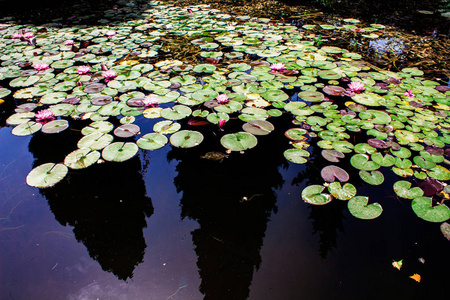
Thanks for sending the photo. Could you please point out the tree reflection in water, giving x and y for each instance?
(232, 201)
(105, 203)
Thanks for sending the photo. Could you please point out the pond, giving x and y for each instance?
(211, 168)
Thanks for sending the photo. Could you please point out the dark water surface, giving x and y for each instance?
(168, 224)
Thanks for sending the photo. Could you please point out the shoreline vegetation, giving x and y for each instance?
(415, 27)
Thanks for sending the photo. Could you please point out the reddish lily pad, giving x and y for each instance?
(331, 173)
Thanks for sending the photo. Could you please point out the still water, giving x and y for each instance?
(169, 224)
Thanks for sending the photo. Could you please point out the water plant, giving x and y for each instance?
(248, 73)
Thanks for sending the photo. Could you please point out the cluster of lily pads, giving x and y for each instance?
(249, 69)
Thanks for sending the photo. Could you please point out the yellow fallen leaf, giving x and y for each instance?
(416, 277)
(397, 264)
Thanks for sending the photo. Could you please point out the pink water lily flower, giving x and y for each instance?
(41, 67)
(83, 70)
(222, 99)
(109, 75)
(151, 100)
(43, 116)
(279, 67)
(28, 35)
(17, 35)
(222, 123)
(69, 42)
(409, 93)
(356, 87)
(110, 33)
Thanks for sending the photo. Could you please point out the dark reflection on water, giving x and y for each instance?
(232, 200)
(106, 204)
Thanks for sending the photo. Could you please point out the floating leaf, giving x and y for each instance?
(332, 155)
(416, 277)
(127, 130)
(313, 195)
(166, 127)
(26, 128)
(95, 141)
(397, 264)
(152, 141)
(296, 155)
(186, 139)
(373, 177)
(345, 192)
(258, 127)
(119, 151)
(445, 229)
(362, 162)
(55, 126)
(81, 158)
(46, 175)
(424, 209)
(359, 208)
(403, 189)
(239, 141)
(331, 173)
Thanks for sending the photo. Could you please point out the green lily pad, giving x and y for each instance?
(403, 189)
(152, 141)
(95, 141)
(384, 161)
(81, 158)
(373, 177)
(98, 126)
(439, 173)
(55, 126)
(26, 128)
(186, 139)
(46, 175)
(345, 192)
(239, 141)
(369, 99)
(424, 209)
(166, 127)
(119, 151)
(275, 95)
(296, 155)
(362, 162)
(177, 112)
(359, 208)
(311, 96)
(313, 195)
(204, 68)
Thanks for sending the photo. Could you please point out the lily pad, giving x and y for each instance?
(258, 127)
(424, 209)
(119, 151)
(296, 155)
(81, 158)
(445, 229)
(186, 139)
(359, 208)
(331, 173)
(152, 141)
(26, 128)
(362, 162)
(239, 141)
(127, 130)
(313, 195)
(46, 175)
(166, 127)
(403, 189)
(55, 126)
(345, 192)
(332, 155)
(372, 177)
(95, 141)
